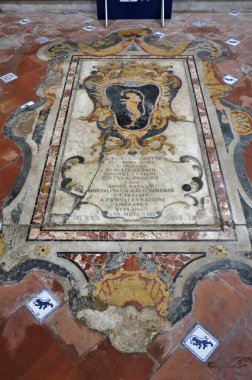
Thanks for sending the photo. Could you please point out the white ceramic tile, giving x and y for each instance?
(232, 42)
(27, 105)
(42, 40)
(160, 35)
(42, 304)
(24, 21)
(229, 79)
(199, 23)
(200, 343)
(8, 77)
(234, 13)
(88, 28)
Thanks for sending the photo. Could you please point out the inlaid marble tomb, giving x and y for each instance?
(130, 177)
(129, 157)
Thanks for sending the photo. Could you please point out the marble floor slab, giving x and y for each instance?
(132, 177)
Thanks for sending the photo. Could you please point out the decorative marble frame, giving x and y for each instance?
(226, 231)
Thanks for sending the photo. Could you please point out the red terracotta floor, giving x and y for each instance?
(61, 347)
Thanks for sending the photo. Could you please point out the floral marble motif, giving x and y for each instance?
(42, 250)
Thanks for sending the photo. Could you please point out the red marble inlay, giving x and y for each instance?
(171, 263)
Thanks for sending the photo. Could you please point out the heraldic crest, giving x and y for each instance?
(132, 105)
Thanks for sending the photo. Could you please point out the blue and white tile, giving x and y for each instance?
(200, 342)
(8, 77)
(42, 304)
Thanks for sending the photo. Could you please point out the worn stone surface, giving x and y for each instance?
(129, 330)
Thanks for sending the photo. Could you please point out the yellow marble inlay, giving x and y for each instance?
(242, 122)
(171, 48)
(2, 246)
(216, 87)
(42, 250)
(138, 288)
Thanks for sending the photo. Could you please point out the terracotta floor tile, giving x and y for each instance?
(15, 29)
(9, 43)
(107, 363)
(46, 279)
(14, 296)
(30, 81)
(246, 320)
(233, 359)
(230, 67)
(72, 332)
(32, 47)
(22, 341)
(9, 17)
(232, 277)
(3, 119)
(164, 344)
(10, 67)
(21, 89)
(217, 305)
(244, 85)
(7, 91)
(8, 177)
(53, 364)
(182, 365)
(10, 28)
(7, 52)
(8, 152)
(15, 98)
(21, 66)
(33, 57)
(49, 282)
